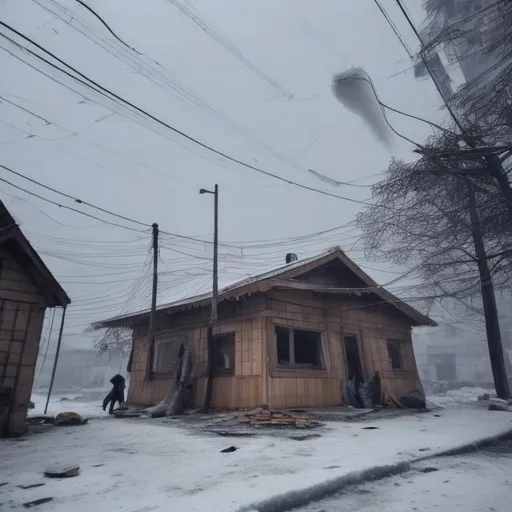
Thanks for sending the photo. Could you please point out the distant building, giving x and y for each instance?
(79, 369)
(469, 16)
(27, 288)
(452, 353)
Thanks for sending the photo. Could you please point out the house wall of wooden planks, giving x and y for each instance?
(257, 377)
(21, 321)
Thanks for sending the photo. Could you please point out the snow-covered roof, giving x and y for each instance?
(249, 285)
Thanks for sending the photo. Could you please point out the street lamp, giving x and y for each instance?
(215, 194)
(213, 318)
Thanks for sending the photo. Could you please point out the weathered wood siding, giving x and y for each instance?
(21, 321)
(372, 324)
(243, 389)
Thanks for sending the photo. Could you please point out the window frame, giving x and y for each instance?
(165, 339)
(156, 358)
(399, 344)
(228, 372)
(292, 365)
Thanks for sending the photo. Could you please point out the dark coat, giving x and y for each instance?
(119, 385)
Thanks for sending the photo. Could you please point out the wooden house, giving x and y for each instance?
(292, 337)
(27, 288)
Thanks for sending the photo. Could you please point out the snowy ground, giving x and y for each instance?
(476, 482)
(88, 403)
(462, 396)
(139, 466)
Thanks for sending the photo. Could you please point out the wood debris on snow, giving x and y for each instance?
(263, 417)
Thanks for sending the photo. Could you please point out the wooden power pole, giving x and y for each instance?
(151, 329)
(492, 325)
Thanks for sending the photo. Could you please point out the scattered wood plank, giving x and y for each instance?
(264, 417)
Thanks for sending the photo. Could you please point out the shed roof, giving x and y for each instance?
(15, 242)
(282, 277)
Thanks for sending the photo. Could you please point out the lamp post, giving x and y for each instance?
(215, 292)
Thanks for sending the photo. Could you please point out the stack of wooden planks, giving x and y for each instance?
(263, 417)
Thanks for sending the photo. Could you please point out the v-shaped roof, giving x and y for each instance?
(15, 242)
(279, 278)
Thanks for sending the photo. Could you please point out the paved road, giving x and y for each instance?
(478, 482)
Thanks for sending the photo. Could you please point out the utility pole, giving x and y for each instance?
(494, 168)
(151, 329)
(215, 292)
(492, 326)
(59, 341)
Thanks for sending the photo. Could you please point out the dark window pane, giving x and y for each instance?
(307, 347)
(395, 354)
(283, 345)
(224, 354)
(164, 361)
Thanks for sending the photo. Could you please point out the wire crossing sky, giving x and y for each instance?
(114, 119)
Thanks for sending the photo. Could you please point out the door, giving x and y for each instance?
(353, 360)
(354, 370)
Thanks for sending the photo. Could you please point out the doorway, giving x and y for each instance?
(354, 369)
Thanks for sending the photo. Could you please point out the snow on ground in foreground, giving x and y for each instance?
(471, 483)
(133, 465)
(462, 396)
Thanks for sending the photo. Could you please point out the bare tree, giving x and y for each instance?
(115, 342)
(426, 214)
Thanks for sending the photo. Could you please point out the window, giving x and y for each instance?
(224, 346)
(166, 355)
(298, 348)
(395, 354)
(164, 359)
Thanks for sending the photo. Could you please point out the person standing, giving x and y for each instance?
(116, 394)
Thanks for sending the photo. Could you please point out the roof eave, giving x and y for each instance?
(57, 295)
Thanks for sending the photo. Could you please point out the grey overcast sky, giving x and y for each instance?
(249, 77)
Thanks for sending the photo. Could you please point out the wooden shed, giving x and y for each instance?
(292, 337)
(27, 288)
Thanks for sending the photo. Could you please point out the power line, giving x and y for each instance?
(67, 207)
(394, 28)
(76, 200)
(230, 47)
(156, 76)
(103, 210)
(118, 99)
(105, 24)
(425, 60)
(159, 78)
